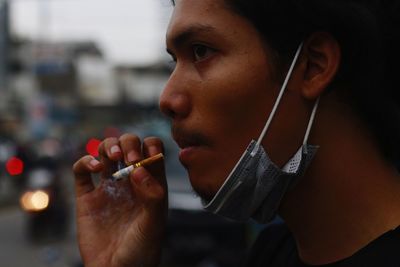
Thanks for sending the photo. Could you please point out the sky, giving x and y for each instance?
(128, 31)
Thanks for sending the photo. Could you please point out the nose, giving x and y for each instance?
(174, 99)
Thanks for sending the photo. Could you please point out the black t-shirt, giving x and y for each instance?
(275, 247)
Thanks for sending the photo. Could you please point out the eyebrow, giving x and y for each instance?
(187, 33)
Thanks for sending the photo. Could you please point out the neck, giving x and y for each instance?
(348, 197)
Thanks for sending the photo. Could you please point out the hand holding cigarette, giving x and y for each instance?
(130, 214)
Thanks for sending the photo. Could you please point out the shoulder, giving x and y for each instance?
(383, 251)
(274, 247)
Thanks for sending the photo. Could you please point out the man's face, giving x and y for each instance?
(221, 91)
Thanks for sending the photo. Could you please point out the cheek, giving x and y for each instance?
(233, 113)
(238, 105)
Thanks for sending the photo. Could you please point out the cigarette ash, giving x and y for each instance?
(117, 190)
(119, 201)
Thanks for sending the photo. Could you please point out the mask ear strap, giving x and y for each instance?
(310, 123)
(278, 100)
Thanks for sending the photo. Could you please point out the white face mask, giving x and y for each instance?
(255, 187)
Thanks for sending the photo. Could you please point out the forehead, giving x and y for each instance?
(197, 10)
(201, 15)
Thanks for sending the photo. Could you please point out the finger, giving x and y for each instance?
(110, 152)
(152, 146)
(131, 148)
(149, 188)
(110, 149)
(150, 180)
(82, 170)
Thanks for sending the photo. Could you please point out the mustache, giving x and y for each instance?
(185, 137)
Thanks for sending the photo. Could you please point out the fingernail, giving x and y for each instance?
(115, 149)
(131, 156)
(94, 162)
(140, 175)
(153, 150)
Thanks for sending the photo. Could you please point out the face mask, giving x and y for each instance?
(255, 187)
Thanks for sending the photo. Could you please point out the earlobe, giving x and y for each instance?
(321, 55)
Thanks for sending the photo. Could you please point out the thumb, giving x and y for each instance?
(150, 186)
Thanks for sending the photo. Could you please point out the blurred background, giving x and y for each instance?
(71, 74)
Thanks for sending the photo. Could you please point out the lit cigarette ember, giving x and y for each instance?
(124, 173)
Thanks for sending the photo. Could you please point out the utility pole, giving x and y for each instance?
(4, 45)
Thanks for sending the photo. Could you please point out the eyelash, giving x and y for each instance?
(207, 51)
(172, 63)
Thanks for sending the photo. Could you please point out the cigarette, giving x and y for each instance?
(124, 173)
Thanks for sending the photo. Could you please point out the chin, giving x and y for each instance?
(206, 191)
(204, 196)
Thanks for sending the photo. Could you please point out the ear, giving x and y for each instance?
(320, 60)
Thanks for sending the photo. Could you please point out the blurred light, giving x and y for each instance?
(15, 166)
(92, 147)
(35, 201)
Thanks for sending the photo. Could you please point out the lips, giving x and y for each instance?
(186, 141)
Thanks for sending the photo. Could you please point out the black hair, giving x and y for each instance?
(368, 32)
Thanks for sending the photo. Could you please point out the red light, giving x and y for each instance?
(15, 166)
(92, 147)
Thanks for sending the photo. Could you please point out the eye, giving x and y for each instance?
(201, 52)
(171, 64)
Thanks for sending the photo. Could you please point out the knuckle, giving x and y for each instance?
(160, 193)
(158, 200)
(78, 165)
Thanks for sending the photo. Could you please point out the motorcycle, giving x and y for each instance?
(45, 207)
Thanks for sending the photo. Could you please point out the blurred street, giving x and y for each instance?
(17, 251)
(61, 94)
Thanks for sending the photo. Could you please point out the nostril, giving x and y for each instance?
(166, 109)
(169, 113)
(175, 106)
